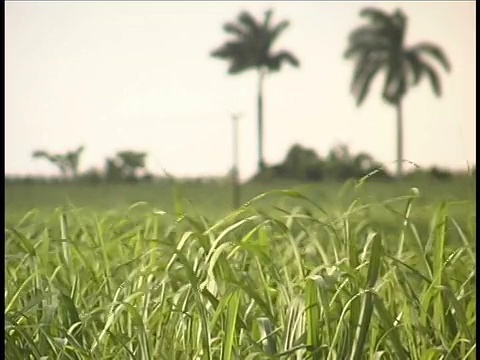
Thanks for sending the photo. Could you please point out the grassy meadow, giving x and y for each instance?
(361, 270)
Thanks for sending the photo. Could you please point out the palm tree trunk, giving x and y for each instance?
(399, 139)
(261, 163)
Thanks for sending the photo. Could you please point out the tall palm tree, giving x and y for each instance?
(251, 48)
(380, 45)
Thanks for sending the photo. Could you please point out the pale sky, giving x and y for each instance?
(138, 75)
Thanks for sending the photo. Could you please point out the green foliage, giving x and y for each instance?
(280, 277)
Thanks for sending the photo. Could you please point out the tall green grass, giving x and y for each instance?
(281, 277)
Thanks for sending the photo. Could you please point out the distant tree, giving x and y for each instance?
(380, 45)
(72, 159)
(341, 164)
(56, 160)
(364, 161)
(440, 174)
(251, 48)
(131, 162)
(92, 176)
(67, 163)
(126, 165)
(340, 154)
(302, 163)
(113, 172)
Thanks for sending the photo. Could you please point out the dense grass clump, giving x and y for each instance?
(281, 277)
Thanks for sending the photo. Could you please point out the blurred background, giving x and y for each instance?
(135, 89)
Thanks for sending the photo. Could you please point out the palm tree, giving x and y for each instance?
(380, 45)
(251, 48)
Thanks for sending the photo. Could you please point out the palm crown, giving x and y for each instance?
(251, 47)
(379, 45)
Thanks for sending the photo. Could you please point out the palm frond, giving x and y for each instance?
(361, 87)
(434, 51)
(434, 78)
(414, 63)
(389, 29)
(239, 55)
(40, 153)
(234, 29)
(275, 32)
(364, 63)
(267, 19)
(236, 67)
(247, 20)
(274, 62)
(394, 87)
(356, 50)
(361, 67)
(369, 43)
(225, 51)
(419, 66)
(377, 17)
(368, 35)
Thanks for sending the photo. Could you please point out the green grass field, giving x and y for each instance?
(320, 271)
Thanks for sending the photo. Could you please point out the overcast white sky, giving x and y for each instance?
(138, 75)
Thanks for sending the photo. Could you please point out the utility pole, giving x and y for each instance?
(235, 172)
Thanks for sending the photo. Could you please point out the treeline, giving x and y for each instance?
(340, 164)
(300, 163)
(305, 164)
(124, 166)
